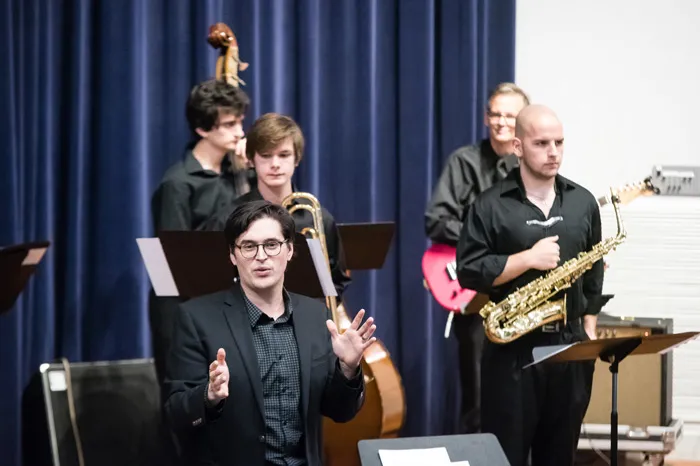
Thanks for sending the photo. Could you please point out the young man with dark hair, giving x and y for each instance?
(515, 232)
(203, 182)
(275, 148)
(471, 170)
(277, 355)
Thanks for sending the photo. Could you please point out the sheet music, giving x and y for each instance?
(416, 457)
(540, 353)
(157, 267)
(324, 275)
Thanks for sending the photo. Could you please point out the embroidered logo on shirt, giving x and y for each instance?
(547, 223)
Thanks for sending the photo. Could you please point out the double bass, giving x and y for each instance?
(384, 409)
(228, 64)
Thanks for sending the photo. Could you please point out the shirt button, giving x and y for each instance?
(261, 438)
(284, 423)
(280, 357)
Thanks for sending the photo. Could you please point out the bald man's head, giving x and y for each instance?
(532, 115)
(539, 142)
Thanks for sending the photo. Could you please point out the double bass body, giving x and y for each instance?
(382, 414)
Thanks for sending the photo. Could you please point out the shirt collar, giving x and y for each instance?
(254, 193)
(193, 166)
(514, 183)
(254, 312)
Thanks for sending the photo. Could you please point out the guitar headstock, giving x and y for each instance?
(630, 192)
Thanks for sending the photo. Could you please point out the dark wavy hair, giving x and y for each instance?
(210, 99)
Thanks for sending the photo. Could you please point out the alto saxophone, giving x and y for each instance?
(529, 308)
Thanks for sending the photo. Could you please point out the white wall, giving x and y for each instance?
(624, 77)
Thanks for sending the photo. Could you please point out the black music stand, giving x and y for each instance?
(366, 244)
(188, 264)
(17, 264)
(613, 351)
(478, 449)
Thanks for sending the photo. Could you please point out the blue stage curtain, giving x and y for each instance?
(92, 113)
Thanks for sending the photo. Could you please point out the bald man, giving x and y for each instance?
(516, 231)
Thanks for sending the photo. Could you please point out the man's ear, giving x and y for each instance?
(201, 133)
(517, 147)
(232, 257)
(290, 253)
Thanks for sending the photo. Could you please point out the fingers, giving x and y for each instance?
(368, 323)
(553, 239)
(358, 318)
(332, 328)
(368, 334)
(218, 373)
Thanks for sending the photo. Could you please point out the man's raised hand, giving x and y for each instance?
(218, 378)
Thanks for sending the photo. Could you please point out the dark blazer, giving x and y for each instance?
(235, 435)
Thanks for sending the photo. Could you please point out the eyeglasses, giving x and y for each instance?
(497, 116)
(271, 248)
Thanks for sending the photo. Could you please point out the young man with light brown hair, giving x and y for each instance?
(275, 147)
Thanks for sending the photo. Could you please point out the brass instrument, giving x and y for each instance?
(315, 232)
(528, 308)
(384, 408)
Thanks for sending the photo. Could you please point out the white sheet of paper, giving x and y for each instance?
(324, 275)
(34, 256)
(415, 457)
(157, 267)
(540, 353)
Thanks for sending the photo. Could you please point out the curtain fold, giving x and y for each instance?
(92, 111)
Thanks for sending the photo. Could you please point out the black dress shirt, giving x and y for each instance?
(302, 219)
(188, 195)
(502, 222)
(278, 362)
(470, 170)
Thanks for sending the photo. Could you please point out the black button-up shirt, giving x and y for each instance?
(470, 170)
(188, 195)
(502, 222)
(302, 219)
(278, 360)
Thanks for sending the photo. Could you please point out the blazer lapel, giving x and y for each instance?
(302, 326)
(236, 317)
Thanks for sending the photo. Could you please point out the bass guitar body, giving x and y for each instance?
(382, 414)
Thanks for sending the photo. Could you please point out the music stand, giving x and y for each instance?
(478, 449)
(17, 264)
(366, 244)
(613, 351)
(188, 264)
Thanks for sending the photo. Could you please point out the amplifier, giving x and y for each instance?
(114, 406)
(644, 382)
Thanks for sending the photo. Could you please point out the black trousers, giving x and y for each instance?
(536, 411)
(469, 331)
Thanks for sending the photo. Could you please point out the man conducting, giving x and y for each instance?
(254, 368)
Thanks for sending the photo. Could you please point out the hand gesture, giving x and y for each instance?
(349, 345)
(544, 255)
(218, 378)
(241, 158)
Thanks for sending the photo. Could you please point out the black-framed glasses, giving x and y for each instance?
(271, 248)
